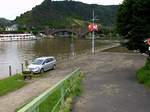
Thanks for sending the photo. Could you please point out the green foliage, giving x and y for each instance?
(147, 65)
(75, 90)
(61, 14)
(2, 29)
(11, 84)
(107, 31)
(143, 74)
(50, 102)
(133, 22)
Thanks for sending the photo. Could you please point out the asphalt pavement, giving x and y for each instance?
(112, 85)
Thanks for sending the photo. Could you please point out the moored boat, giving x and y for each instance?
(17, 37)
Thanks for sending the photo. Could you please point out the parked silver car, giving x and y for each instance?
(42, 64)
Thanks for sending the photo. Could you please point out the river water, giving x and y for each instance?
(15, 53)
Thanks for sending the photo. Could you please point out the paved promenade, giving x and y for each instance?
(111, 86)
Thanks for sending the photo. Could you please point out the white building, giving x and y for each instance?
(12, 28)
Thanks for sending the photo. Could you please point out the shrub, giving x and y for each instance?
(147, 65)
(143, 74)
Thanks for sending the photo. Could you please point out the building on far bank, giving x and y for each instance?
(12, 28)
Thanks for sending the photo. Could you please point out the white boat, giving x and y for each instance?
(17, 37)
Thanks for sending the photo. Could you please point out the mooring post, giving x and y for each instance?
(26, 63)
(10, 70)
(22, 67)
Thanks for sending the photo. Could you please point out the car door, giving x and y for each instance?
(52, 62)
(49, 64)
(46, 65)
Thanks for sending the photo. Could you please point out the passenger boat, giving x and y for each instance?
(17, 37)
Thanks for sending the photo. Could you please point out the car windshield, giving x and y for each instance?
(37, 62)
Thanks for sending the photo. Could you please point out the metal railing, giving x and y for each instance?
(52, 99)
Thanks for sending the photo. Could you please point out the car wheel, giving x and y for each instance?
(42, 71)
(54, 67)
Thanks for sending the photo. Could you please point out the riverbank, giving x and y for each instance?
(88, 64)
(15, 82)
(23, 51)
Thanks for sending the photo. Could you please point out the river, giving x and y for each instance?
(15, 53)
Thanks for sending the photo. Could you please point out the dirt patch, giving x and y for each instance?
(119, 49)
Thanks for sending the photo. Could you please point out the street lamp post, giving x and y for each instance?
(93, 34)
(92, 28)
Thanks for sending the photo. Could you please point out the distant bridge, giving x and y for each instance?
(65, 32)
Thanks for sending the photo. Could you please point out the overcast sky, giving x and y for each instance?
(9, 9)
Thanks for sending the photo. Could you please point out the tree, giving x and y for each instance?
(133, 23)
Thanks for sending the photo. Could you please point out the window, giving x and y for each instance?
(37, 62)
(49, 60)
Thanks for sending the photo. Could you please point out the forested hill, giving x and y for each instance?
(59, 14)
(4, 22)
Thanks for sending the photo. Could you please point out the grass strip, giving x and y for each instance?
(11, 84)
(51, 101)
(67, 107)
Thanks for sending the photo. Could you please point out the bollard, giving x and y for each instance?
(10, 70)
(26, 63)
(22, 67)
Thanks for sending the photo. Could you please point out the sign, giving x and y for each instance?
(92, 27)
(147, 41)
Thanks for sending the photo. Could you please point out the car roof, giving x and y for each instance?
(45, 57)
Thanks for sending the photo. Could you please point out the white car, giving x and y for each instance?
(42, 64)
